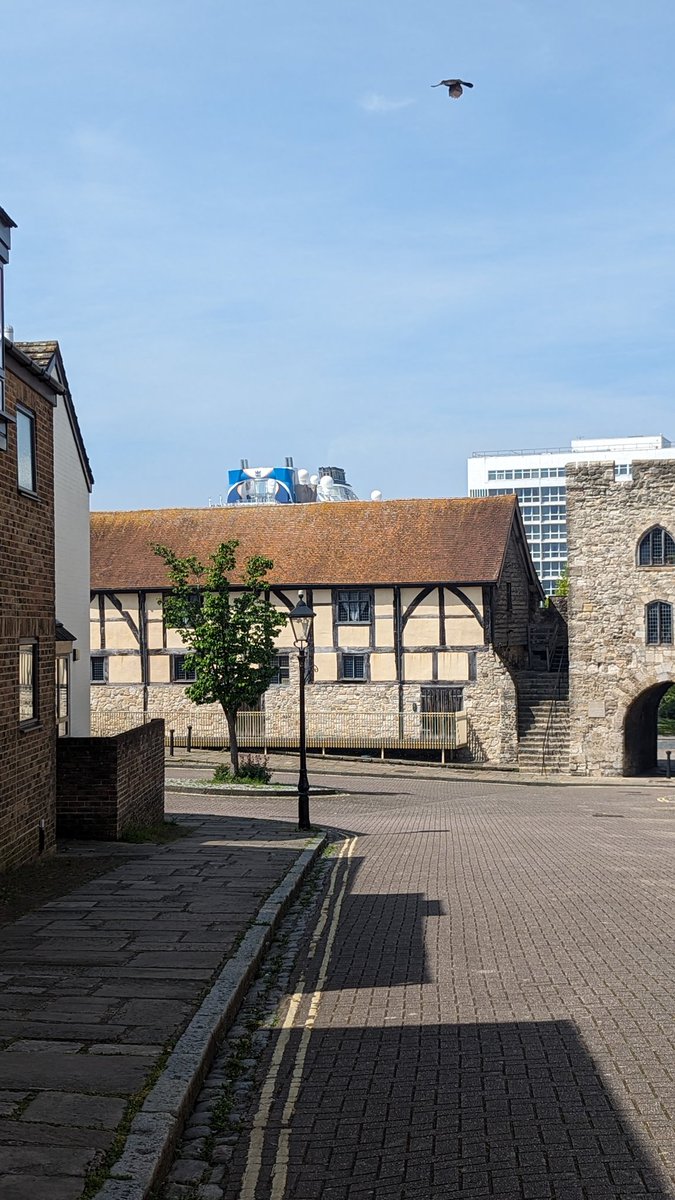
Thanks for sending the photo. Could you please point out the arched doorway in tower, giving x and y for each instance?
(641, 749)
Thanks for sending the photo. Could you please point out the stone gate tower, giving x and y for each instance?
(621, 561)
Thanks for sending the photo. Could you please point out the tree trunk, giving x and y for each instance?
(231, 718)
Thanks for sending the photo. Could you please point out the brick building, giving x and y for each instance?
(27, 612)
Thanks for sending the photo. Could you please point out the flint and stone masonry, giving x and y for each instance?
(617, 678)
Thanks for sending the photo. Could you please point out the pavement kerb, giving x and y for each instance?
(155, 1130)
(431, 771)
(240, 789)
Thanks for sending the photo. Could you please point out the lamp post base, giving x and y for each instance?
(303, 809)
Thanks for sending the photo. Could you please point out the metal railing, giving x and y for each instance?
(325, 730)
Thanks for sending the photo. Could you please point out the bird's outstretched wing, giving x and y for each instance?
(452, 83)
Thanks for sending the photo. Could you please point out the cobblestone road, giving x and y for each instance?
(481, 1005)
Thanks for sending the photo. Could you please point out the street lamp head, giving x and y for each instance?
(301, 618)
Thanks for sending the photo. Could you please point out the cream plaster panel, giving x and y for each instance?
(384, 631)
(118, 635)
(285, 638)
(474, 594)
(325, 667)
(353, 637)
(323, 624)
(174, 641)
(463, 631)
(153, 606)
(124, 668)
(129, 602)
(417, 666)
(155, 635)
(384, 602)
(409, 594)
(420, 631)
(95, 633)
(321, 596)
(158, 668)
(453, 666)
(382, 667)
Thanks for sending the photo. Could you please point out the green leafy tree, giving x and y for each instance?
(230, 633)
(562, 587)
(667, 705)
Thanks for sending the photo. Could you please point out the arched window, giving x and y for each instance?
(657, 549)
(659, 623)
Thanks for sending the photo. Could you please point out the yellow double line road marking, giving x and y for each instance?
(260, 1123)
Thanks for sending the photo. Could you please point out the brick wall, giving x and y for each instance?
(106, 784)
(27, 755)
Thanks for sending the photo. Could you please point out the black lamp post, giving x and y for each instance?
(301, 618)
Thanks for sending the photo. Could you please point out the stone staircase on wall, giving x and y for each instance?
(543, 719)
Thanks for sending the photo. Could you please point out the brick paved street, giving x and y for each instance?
(485, 1007)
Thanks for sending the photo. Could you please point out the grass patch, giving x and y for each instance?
(164, 831)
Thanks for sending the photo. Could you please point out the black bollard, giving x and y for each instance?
(171, 742)
(188, 743)
(668, 772)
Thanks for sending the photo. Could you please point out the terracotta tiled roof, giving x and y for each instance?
(357, 542)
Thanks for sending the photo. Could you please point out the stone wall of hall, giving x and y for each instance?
(611, 664)
(354, 714)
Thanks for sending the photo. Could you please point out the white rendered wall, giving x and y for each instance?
(71, 529)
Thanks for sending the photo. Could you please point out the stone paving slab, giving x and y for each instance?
(94, 986)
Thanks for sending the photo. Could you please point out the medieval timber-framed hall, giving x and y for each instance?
(424, 607)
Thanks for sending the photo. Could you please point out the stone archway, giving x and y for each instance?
(640, 738)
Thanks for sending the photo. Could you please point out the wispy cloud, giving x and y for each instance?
(373, 102)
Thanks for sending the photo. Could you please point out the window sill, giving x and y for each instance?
(28, 493)
(29, 726)
(348, 624)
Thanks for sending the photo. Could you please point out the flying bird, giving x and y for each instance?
(455, 87)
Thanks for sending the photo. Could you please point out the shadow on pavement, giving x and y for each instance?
(514, 1111)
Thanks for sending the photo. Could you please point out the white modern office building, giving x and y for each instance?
(538, 479)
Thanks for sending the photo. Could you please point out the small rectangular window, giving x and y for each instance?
(281, 669)
(62, 697)
(25, 450)
(353, 666)
(353, 608)
(28, 675)
(182, 668)
(99, 668)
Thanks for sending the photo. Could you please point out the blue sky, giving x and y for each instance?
(256, 231)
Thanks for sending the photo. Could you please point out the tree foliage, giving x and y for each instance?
(562, 586)
(667, 705)
(230, 633)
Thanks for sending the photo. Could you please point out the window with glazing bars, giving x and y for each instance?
(659, 623)
(657, 549)
(353, 608)
(183, 668)
(353, 666)
(281, 669)
(98, 668)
